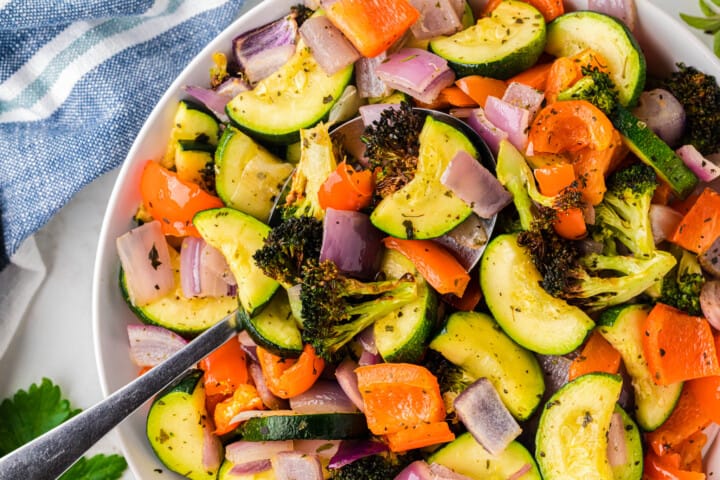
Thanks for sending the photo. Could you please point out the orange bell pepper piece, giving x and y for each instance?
(225, 369)
(685, 421)
(346, 189)
(479, 88)
(535, 76)
(701, 224)
(244, 398)
(597, 356)
(569, 127)
(289, 377)
(419, 436)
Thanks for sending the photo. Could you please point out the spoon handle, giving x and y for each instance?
(49, 455)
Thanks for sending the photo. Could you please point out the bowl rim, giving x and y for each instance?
(105, 256)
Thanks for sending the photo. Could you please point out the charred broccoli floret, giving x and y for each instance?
(289, 246)
(699, 95)
(374, 467)
(317, 162)
(392, 144)
(681, 289)
(335, 308)
(595, 87)
(624, 213)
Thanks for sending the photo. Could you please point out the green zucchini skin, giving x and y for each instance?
(632, 469)
(402, 335)
(574, 32)
(193, 123)
(653, 151)
(178, 425)
(476, 343)
(528, 314)
(238, 236)
(299, 95)
(466, 456)
(185, 316)
(622, 326)
(275, 328)
(477, 50)
(572, 435)
(316, 426)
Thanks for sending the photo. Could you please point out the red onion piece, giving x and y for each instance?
(623, 10)
(151, 345)
(555, 370)
(203, 270)
(710, 302)
(367, 358)
(322, 448)
(268, 398)
(331, 50)
(325, 396)
(509, 118)
(524, 96)
(232, 87)
(264, 50)
(463, 113)
(664, 221)
(519, 474)
(467, 241)
(710, 259)
(616, 449)
(352, 242)
(145, 259)
(417, 72)
(482, 412)
(242, 451)
(351, 450)
(491, 134)
(662, 113)
(248, 468)
(347, 379)
(366, 338)
(367, 81)
(441, 472)
(705, 170)
(475, 185)
(212, 448)
(711, 461)
(437, 17)
(214, 101)
(346, 107)
(297, 466)
(190, 266)
(417, 470)
(711, 433)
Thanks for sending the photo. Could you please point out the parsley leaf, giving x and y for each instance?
(31, 413)
(99, 467)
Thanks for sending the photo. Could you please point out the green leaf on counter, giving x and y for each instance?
(99, 467)
(31, 413)
(707, 24)
(706, 9)
(716, 43)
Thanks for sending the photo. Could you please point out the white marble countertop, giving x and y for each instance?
(55, 337)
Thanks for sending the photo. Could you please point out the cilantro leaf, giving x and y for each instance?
(31, 413)
(99, 467)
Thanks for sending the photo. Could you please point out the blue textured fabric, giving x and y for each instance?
(77, 80)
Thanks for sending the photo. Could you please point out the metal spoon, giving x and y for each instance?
(48, 456)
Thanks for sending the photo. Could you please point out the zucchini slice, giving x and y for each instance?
(466, 456)
(184, 316)
(194, 162)
(275, 328)
(248, 177)
(507, 42)
(574, 32)
(191, 122)
(298, 95)
(474, 342)
(315, 426)
(652, 150)
(527, 313)
(414, 211)
(632, 469)
(622, 327)
(401, 335)
(178, 427)
(238, 236)
(571, 440)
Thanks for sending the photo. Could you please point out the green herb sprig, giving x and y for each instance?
(710, 23)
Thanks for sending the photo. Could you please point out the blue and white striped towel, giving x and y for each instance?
(77, 80)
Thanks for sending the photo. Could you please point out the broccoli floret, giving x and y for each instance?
(392, 147)
(288, 247)
(374, 467)
(624, 213)
(335, 308)
(317, 162)
(699, 95)
(452, 379)
(681, 288)
(595, 87)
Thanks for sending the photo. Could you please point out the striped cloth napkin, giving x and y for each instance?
(77, 80)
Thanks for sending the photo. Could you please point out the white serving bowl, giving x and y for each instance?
(664, 39)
